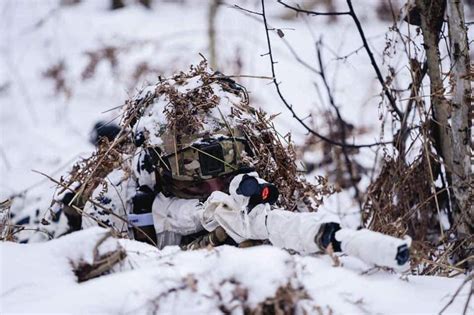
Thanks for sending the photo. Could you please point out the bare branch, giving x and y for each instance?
(247, 10)
(468, 278)
(313, 13)
(290, 107)
(299, 59)
(352, 14)
(372, 60)
(342, 125)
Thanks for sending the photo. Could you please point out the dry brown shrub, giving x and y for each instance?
(184, 109)
(90, 172)
(284, 301)
(275, 161)
(102, 263)
(105, 54)
(400, 202)
(57, 73)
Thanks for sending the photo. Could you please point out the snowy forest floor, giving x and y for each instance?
(39, 278)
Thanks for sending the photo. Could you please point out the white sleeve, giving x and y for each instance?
(296, 230)
(284, 229)
(373, 247)
(176, 215)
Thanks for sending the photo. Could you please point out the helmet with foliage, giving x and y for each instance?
(189, 126)
(196, 130)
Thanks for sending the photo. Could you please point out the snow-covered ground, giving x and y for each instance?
(39, 278)
(44, 131)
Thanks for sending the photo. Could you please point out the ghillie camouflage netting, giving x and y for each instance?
(165, 117)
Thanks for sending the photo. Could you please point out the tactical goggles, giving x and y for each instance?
(205, 159)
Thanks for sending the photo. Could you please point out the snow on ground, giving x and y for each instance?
(40, 130)
(205, 281)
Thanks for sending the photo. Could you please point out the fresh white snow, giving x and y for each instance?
(39, 278)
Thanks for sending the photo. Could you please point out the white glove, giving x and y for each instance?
(375, 248)
(230, 212)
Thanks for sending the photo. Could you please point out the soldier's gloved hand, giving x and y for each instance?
(249, 190)
(240, 199)
(376, 248)
(230, 212)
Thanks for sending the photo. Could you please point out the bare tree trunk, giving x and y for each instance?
(451, 118)
(213, 7)
(461, 106)
(431, 16)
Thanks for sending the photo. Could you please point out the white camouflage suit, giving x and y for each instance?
(175, 217)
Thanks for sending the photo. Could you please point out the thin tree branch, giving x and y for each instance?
(247, 10)
(352, 14)
(290, 107)
(341, 122)
(313, 13)
(468, 278)
(299, 59)
(372, 60)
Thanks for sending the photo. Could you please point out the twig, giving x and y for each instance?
(107, 210)
(335, 260)
(441, 265)
(105, 264)
(352, 14)
(314, 13)
(121, 136)
(470, 294)
(342, 125)
(99, 242)
(372, 60)
(5, 159)
(20, 228)
(469, 278)
(101, 263)
(299, 59)
(247, 10)
(290, 107)
(244, 76)
(430, 169)
(345, 57)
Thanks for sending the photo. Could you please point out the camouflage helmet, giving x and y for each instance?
(202, 159)
(190, 123)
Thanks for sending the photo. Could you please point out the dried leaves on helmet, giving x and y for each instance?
(201, 102)
(195, 104)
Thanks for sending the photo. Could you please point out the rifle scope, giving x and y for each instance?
(258, 193)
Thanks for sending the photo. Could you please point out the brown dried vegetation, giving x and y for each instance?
(273, 156)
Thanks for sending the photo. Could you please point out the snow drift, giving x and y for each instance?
(40, 278)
